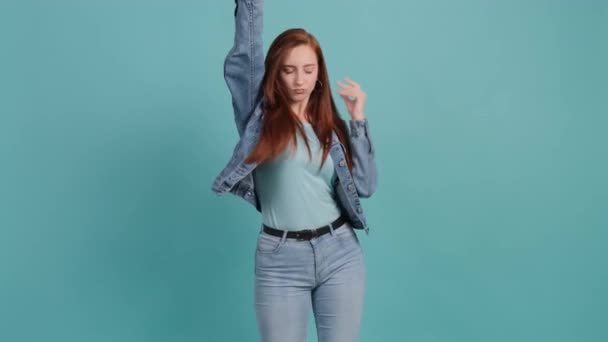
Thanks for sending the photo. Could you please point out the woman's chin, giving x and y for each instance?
(296, 98)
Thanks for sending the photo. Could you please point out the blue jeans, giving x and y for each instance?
(326, 274)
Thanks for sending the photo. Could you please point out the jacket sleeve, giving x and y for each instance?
(244, 64)
(364, 171)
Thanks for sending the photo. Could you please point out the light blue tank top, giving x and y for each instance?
(293, 193)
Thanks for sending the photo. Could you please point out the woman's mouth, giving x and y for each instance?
(299, 91)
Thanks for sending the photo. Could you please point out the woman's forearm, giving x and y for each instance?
(365, 174)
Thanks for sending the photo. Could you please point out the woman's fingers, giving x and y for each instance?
(351, 82)
(351, 89)
(342, 85)
(348, 97)
(348, 92)
(346, 89)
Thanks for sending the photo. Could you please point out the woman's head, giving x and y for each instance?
(295, 69)
(295, 72)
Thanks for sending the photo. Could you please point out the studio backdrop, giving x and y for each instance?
(489, 118)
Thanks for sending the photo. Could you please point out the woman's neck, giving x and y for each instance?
(299, 109)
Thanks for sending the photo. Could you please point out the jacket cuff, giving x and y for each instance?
(359, 128)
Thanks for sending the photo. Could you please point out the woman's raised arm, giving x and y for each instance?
(244, 64)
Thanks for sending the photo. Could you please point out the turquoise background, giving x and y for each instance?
(489, 119)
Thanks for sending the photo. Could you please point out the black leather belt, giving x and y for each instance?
(307, 234)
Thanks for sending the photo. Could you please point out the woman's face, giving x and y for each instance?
(299, 72)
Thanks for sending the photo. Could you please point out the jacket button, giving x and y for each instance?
(359, 210)
(351, 187)
(342, 163)
(248, 193)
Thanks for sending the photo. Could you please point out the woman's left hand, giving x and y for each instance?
(353, 97)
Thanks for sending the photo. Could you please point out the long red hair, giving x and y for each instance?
(279, 121)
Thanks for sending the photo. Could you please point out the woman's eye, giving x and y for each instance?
(287, 71)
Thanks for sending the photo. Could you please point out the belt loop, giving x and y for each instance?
(331, 229)
(284, 236)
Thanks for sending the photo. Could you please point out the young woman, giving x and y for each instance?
(299, 164)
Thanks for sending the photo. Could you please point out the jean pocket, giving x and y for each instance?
(269, 244)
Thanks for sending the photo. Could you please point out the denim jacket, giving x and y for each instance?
(243, 72)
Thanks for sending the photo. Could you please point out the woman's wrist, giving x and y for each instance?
(358, 117)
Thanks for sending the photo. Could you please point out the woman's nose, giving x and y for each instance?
(298, 78)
